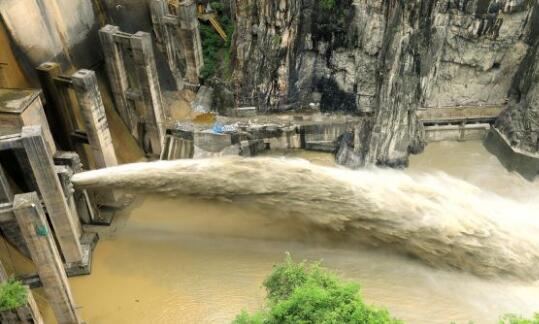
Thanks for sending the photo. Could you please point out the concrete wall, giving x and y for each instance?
(64, 31)
(11, 73)
(514, 159)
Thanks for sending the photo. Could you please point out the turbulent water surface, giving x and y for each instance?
(189, 259)
(441, 220)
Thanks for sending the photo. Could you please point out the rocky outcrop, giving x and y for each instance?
(382, 59)
(519, 123)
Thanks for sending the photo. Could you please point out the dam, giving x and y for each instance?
(159, 159)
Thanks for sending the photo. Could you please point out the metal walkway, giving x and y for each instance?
(459, 114)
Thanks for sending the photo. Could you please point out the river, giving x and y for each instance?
(184, 260)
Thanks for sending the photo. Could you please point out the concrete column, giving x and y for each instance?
(3, 79)
(95, 119)
(66, 226)
(3, 273)
(6, 195)
(64, 175)
(57, 104)
(117, 75)
(146, 71)
(97, 128)
(189, 38)
(85, 203)
(33, 223)
(164, 29)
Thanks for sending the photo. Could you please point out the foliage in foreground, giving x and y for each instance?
(514, 319)
(12, 295)
(308, 293)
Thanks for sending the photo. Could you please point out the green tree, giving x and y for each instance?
(13, 294)
(301, 293)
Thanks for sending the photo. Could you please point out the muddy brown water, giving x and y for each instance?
(183, 260)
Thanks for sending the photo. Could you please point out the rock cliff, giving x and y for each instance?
(385, 60)
(520, 121)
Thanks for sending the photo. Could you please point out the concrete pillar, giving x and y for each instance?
(57, 104)
(66, 225)
(133, 76)
(189, 39)
(95, 119)
(6, 195)
(164, 26)
(84, 201)
(119, 82)
(3, 273)
(3, 78)
(64, 175)
(146, 71)
(34, 226)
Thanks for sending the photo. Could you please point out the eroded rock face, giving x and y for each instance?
(520, 121)
(383, 59)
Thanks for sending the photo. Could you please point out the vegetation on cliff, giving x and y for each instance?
(215, 50)
(12, 295)
(307, 293)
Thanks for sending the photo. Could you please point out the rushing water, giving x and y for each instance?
(187, 260)
(443, 221)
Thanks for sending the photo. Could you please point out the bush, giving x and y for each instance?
(12, 295)
(514, 319)
(308, 293)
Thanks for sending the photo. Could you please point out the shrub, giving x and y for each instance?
(514, 319)
(307, 293)
(12, 295)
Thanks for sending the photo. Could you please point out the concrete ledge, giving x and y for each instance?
(526, 164)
